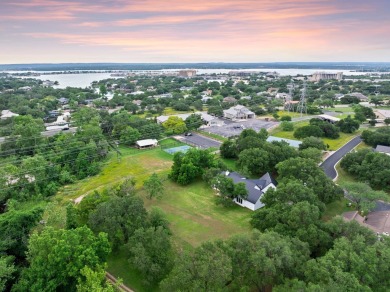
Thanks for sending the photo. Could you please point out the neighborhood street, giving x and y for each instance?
(329, 164)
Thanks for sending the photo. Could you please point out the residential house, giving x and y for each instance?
(359, 95)
(256, 189)
(247, 97)
(205, 98)
(238, 112)
(229, 99)
(273, 90)
(63, 100)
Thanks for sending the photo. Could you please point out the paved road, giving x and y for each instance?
(49, 133)
(329, 164)
(200, 141)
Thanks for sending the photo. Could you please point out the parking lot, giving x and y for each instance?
(199, 141)
(232, 128)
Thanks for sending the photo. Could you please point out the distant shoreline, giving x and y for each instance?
(356, 66)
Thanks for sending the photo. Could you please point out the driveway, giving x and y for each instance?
(329, 164)
(200, 141)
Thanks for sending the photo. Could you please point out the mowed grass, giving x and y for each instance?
(194, 215)
(340, 109)
(334, 144)
(336, 208)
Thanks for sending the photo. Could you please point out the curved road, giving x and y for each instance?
(329, 164)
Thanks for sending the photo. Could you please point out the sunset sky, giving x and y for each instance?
(43, 31)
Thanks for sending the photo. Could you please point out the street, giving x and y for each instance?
(329, 164)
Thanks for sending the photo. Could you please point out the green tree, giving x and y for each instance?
(129, 136)
(7, 271)
(307, 172)
(348, 125)
(387, 121)
(15, 227)
(262, 260)
(157, 218)
(154, 186)
(91, 280)
(174, 125)
(193, 122)
(119, 218)
(228, 149)
(312, 142)
(285, 118)
(56, 258)
(191, 165)
(362, 195)
(287, 126)
(307, 131)
(254, 161)
(311, 153)
(151, 252)
(207, 268)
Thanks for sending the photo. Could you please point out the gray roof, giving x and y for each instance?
(382, 149)
(253, 186)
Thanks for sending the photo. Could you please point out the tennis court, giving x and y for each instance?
(173, 150)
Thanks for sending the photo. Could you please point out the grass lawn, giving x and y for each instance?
(336, 208)
(170, 111)
(212, 136)
(340, 109)
(343, 176)
(195, 217)
(230, 163)
(191, 210)
(119, 266)
(334, 144)
(291, 114)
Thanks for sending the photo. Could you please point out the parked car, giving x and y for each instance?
(188, 134)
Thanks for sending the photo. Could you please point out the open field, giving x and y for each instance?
(334, 144)
(191, 210)
(291, 114)
(340, 109)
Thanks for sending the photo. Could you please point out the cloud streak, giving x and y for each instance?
(228, 30)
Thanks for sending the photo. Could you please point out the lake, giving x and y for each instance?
(85, 79)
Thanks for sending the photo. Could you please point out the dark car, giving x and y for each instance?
(188, 134)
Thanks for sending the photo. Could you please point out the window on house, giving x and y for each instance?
(239, 200)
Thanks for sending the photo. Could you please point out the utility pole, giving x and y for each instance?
(302, 106)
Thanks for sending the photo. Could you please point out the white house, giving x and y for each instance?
(256, 189)
(146, 143)
(238, 112)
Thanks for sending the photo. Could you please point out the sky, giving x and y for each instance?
(181, 31)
